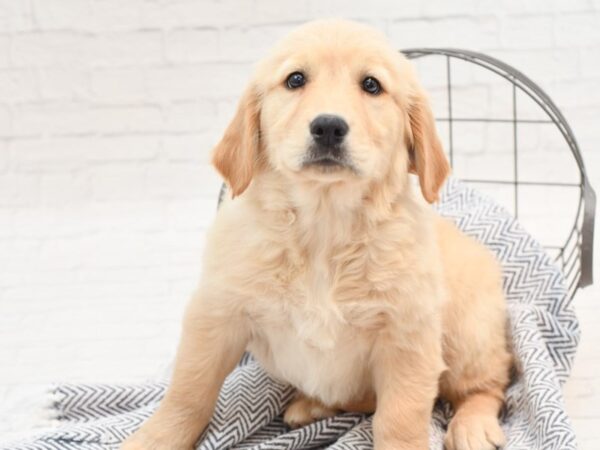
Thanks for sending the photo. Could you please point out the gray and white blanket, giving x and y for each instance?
(545, 334)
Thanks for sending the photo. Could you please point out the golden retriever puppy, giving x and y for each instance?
(329, 268)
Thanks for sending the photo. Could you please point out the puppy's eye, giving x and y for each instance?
(295, 80)
(371, 85)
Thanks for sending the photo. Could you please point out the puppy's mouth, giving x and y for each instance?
(327, 159)
(324, 161)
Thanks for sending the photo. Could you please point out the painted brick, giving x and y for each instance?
(356, 10)
(64, 83)
(271, 11)
(4, 51)
(441, 8)
(75, 118)
(6, 225)
(176, 180)
(578, 29)
(196, 45)
(190, 148)
(16, 15)
(583, 94)
(118, 85)
(190, 13)
(537, 32)
(543, 66)
(121, 148)
(118, 183)
(514, 7)
(18, 85)
(62, 48)
(117, 15)
(62, 14)
(140, 119)
(5, 125)
(4, 156)
(61, 190)
(250, 43)
(478, 33)
(589, 62)
(206, 80)
(189, 117)
(47, 155)
(108, 217)
(127, 49)
(18, 190)
(96, 16)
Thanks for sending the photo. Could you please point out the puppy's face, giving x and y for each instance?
(333, 103)
(329, 110)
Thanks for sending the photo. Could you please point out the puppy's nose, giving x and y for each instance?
(328, 130)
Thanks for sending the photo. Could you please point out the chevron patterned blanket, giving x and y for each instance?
(545, 334)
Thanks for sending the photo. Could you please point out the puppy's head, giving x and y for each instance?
(333, 103)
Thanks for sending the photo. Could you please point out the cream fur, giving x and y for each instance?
(343, 283)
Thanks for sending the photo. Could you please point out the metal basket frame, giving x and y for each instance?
(575, 256)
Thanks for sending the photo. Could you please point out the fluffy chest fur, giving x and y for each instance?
(314, 330)
(318, 352)
(318, 289)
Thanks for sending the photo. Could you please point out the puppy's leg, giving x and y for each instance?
(475, 341)
(304, 410)
(475, 425)
(212, 342)
(477, 376)
(406, 384)
(477, 394)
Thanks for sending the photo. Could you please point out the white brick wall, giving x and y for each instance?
(108, 111)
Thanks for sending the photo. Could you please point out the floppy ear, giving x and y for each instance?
(236, 154)
(427, 157)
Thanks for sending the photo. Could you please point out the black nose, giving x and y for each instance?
(328, 130)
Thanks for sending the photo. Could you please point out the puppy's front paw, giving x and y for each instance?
(303, 411)
(474, 432)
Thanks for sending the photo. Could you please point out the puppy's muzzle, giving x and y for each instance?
(328, 133)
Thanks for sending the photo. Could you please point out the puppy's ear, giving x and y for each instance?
(235, 156)
(427, 158)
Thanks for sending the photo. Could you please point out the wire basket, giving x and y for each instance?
(459, 72)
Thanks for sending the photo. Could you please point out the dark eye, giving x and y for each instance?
(295, 80)
(371, 85)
